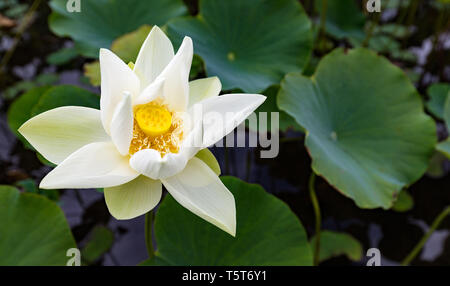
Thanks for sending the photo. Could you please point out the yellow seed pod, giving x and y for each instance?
(153, 120)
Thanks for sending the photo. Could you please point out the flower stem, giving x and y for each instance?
(415, 251)
(22, 27)
(323, 18)
(317, 215)
(148, 233)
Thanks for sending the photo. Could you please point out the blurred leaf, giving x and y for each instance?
(92, 71)
(404, 202)
(367, 133)
(436, 168)
(20, 110)
(102, 21)
(268, 233)
(23, 86)
(127, 46)
(101, 240)
(437, 94)
(64, 95)
(33, 231)
(394, 30)
(209, 159)
(29, 186)
(333, 244)
(249, 44)
(344, 19)
(62, 56)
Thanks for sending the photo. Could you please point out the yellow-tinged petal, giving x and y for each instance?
(134, 198)
(200, 190)
(96, 165)
(203, 88)
(59, 132)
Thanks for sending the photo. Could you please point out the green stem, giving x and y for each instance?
(148, 233)
(323, 18)
(415, 251)
(317, 215)
(23, 26)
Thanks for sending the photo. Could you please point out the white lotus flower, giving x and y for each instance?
(140, 139)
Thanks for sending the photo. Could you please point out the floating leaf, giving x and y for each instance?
(333, 244)
(404, 202)
(64, 95)
(100, 241)
(33, 231)
(367, 133)
(249, 44)
(92, 72)
(127, 46)
(437, 94)
(344, 19)
(62, 56)
(268, 233)
(20, 110)
(102, 21)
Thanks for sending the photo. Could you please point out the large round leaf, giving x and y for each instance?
(249, 44)
(367, 133)
(101, 21)
(33, 230)
(344, 19)
(268, 233)
(444, 147)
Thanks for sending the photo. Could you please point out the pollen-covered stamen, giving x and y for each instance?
(155, 127)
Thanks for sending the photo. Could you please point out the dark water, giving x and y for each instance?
(286, 176)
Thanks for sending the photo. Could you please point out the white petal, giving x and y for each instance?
(134, 198)
(116, 78)
(59, 132)
(149, 162)
(122, 125)
(96, 165)
(155, 54)
(199, 190)
(204, 88)
(151, 92)
(221, 114)
(176, 75)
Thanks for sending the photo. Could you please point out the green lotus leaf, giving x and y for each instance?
(367, 133)
(268, 233)
(437, 94)
(404, 202)
(344, 19)
(249, 44)
(333, 244)
(33, 230)
(102, 21)
(101, 240)
(64, 95)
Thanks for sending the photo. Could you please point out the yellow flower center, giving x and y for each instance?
(155, 127)
(154, 120)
